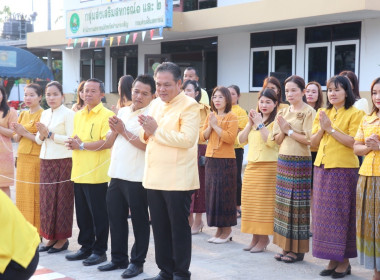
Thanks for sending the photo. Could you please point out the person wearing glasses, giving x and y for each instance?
(89, 174)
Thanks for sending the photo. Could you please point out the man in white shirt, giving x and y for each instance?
(126, 190)
(191, 73)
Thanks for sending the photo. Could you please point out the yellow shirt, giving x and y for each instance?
(301, 122)
(204, 97)
(204, 110)
(242, 122)
(90, 167)
(258, 149)
(371, 163)
(29, 121)
(332, 153)
(18, 238)
(171, 156)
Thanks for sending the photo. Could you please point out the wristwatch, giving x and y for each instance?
(81, 146)
(49, 134)
(260, 126)
(332, 131)
(290, 132)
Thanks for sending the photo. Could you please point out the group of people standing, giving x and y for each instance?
(175, 155)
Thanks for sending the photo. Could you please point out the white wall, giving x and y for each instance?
(369, 53)
(70, 70)
(233, 60)
(300, 52)
(234, 2)
(144, 49)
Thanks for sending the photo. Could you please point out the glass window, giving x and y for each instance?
(317, 63)
(260, 61)
(283, 61)
(344, 58)
(336, 32)
(274, 38)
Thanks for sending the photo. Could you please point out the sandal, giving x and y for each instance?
(279, 256)
(290, 259)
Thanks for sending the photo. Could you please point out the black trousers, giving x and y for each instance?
(239, 153)
(92, 218)
(121, 196)
(169, 212)
(16, 271)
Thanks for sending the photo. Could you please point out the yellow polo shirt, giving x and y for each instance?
(368, 126)
(18, 238)
(331, 152)
(91, 167)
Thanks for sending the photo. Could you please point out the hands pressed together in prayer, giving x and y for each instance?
(116, 125)
(254, 118)
(149, 124)
(283, 124)
(325, 122)
(42, 129)
(373, 142)
(73, 143)
(18, 129)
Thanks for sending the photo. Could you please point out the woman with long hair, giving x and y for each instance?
(360, 103)
(198, 206)
(220, 129)
(56, 189)
(28, 161)
(335, 178)
(274, 84)
(293, 187)
(125, 91)
(80, 98)
(7, 116)
(367, 143)
(259, 181)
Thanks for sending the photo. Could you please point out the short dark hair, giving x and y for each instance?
(345, 84)
(37, 88)
(126, 82)
(147, 80)
(55, 84)
(191, 69)
(300, 82)
(227, 95)
(375, 82)
(4, 102)
(277, 83)
(354, 82)
(196, 86)
(271, 94)
(169, 67)
(319, 102)
(101, 84)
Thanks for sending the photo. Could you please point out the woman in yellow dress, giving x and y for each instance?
(28, 162)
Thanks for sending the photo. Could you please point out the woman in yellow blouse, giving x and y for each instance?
(191, 88)
(7, 116)
(220, 129)
(335, 178)
(259, 182)
(239, 149)
(292, 132)
(367, 143)
(28, 161)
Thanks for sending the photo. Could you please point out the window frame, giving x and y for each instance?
(345, 43)
(289, 47)
(317, 45)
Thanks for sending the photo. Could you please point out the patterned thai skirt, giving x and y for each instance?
(368, 221)
(334, 206)
(221, 192)
(198, 198)
(56, 199)
(292, 206)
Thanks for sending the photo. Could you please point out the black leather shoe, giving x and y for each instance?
(53, 250)
(132, 271)
(112, 266)
(46, 248)
(79, 255)
(337, 275)
(95, 259)
(327, 272)
(158, 277)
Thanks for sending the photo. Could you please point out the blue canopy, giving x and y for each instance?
(18, 63)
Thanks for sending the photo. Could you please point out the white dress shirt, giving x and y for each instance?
(59, 121)
(127, 161)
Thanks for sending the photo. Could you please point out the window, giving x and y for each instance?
(330, 49)
(271, 52)
(123, 62)
(92, 64)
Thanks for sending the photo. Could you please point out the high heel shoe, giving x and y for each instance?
(337, 275)
(53, 250)
(197, 230)
(249, 247)
(259, 250)
(46, 248)
(211, 240)
(221, 241)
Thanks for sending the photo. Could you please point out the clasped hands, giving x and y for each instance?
(254, 118)
(325, 122)
(18, 128)
(373, 142)
(149, 124)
